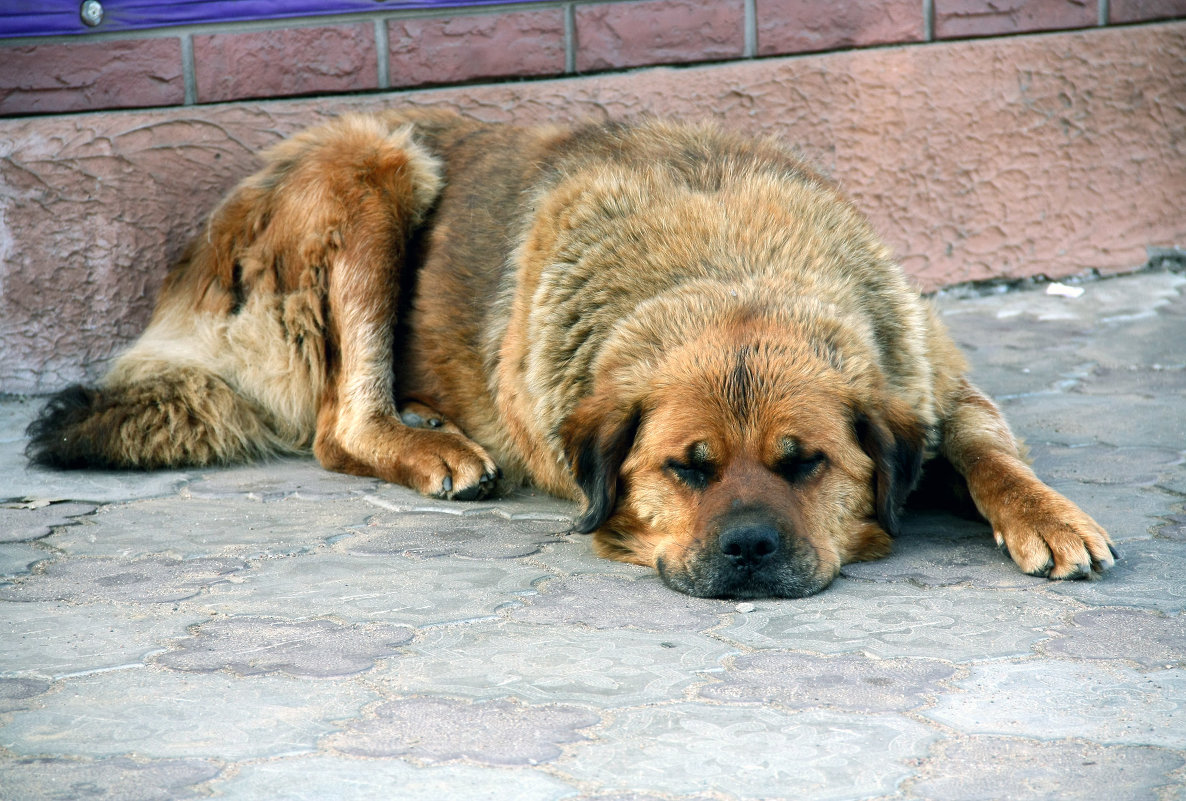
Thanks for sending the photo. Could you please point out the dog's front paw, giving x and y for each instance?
(1048, 535)
(458, 470)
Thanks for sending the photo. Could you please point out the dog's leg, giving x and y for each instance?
(359, 429)
(1045, 533)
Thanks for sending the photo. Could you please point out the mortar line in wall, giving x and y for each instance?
(751, 29)
(1105, 12)
(189, 76)
(570, 39)
(928, 19)
(382, 53)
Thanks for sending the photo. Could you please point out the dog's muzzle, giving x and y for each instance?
(751, 556)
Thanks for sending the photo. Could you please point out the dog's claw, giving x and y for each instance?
(483, 488)
(470, 493)
(1077, 573)
(1043, 571)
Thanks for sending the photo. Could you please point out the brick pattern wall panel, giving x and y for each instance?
(1145, 10)
(93, 209)
(274, 63)
(42, 78)
(465, 47)
(965, 18)
(614, 35)
(801, 26)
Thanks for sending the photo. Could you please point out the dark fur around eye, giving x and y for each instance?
(694, 476)
(797, 469)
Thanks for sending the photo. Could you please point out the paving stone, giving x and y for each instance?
(229, 527)
(300, 477)
(18, 557)
(937, 550)
(1152, 640)
(16, 693)
(635, 796)
(1116, 300)
(1138, 379)
(749, 752)
(122, 779)
(850, 682)
(428, 535)
(152, 580)
(995, 768)
(16, 411)
(1125, 512)
(897, 620)
(351, 779)
(614, 602)
(543, 663)
(250, 646)
(24, 524)
(1003, 381)
(629, 796)
(1070, 419)
(22, 482)
(992, 330)
(518, 504)
(1104, 464)
(173, 715)
(572, 555)
(443, 729)
(1004, 361)
(1099, 701)
(281, 636)
(1174, 482)
(56, 640)
(1148, 575)
(363, 589)
(1149, 340)
(25, 483)
(1173, 528)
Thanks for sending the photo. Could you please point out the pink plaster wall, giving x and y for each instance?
(1030, 155)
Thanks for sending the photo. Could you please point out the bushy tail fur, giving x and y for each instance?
(187, 417)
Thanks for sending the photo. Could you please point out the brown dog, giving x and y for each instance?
(692, 330)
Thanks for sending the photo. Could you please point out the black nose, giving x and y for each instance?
(749, 545)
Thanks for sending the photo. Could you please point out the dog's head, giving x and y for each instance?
(751, 461)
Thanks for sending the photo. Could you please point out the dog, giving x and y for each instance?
(691, 331)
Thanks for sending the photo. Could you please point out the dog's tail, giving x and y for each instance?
(184, 417)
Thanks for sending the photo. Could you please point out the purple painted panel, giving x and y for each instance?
(63, 17)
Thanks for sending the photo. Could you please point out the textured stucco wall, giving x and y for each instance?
(1047, 154)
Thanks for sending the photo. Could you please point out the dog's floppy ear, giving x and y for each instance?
(597, 436)
(893, 437)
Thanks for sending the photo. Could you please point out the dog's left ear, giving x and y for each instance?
(597, 436)
(895, 440)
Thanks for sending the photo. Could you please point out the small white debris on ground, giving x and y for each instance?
(1062, 290)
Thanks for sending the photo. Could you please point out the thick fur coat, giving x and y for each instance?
(690, 331)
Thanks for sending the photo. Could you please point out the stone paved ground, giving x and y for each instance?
(277, 632)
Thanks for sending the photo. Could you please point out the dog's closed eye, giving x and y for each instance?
(797, 468)
(694, 475)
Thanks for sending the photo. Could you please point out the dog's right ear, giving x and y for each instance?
(597, 436)
(894, 439)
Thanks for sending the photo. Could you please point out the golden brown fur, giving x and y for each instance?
(691, 331)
